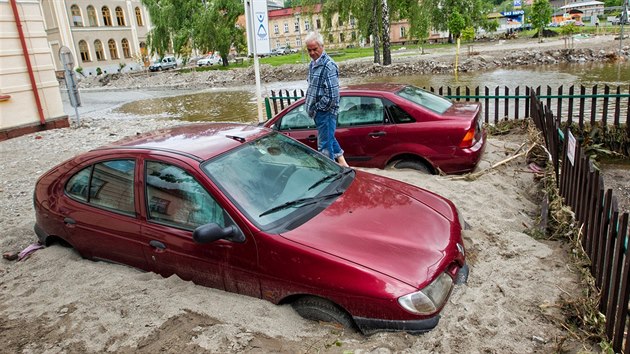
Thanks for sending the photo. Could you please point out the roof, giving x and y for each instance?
(384, 87)
(582, 4)
(291, 11)
(201, 141)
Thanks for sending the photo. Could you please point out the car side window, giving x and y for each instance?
(398, 114)
(297, 118)
(360, 111)
(110, 185)
(176, 198)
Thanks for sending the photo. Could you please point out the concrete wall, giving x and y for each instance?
(18, 108)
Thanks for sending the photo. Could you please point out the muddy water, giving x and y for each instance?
(240, 105)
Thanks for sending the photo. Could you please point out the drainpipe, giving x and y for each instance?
(38, 101)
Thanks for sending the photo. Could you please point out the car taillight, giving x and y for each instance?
(469, 139)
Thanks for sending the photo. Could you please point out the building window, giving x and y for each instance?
(342, 38)
(403, 32)
(77, 21)
(298, 43)
(98, 47)
(275, 29)
(352, 21)
(318, 24)
(340, 22)
(125, 48)
(286, 27)
(92, 18)
(307, 25)
(120, 16)
(85, 52)
(113, 52)
(107, 16)
(353, 35)
(296, 26)
(139, 17)
(331, 39)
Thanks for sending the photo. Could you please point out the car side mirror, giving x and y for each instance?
(213, 232)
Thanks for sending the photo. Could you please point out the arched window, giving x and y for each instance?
(98, 47)
(120, 16)
(139, 16)
(107, 16)
(77, 21)
(113, 52)
(84, 50)
(92, 18)
(125, 48)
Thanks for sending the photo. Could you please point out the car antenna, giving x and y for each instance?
(237, 138)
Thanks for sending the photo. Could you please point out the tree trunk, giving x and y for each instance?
(387, 55)
(374, 31)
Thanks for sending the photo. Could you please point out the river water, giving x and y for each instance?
(239, 104)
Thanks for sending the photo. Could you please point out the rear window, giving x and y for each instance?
(425, 99)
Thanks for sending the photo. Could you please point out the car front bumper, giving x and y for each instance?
(371, 325)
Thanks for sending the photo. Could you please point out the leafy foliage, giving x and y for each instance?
(182, 26)
(539, 14)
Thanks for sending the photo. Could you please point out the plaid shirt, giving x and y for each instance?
(323, 86)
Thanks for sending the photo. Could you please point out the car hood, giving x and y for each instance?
(390, 227)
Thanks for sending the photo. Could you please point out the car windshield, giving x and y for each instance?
(425, 99)
(275, 180)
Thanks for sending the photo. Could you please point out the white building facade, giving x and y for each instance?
(105, 36)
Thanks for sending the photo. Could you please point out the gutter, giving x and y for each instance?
(29, 66)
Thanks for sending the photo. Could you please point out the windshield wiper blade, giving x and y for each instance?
(299, 202)
(334, 176)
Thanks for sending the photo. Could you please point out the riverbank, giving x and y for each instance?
(407, 61)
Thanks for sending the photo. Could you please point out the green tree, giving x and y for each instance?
(540, 15)
(172, 25)
(215, 27)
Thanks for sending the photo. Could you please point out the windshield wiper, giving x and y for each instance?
(334, 176)
(299, 202)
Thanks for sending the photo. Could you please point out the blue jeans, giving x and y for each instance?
(326, 124)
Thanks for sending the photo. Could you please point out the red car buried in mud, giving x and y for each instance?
(399, 126)
(247, 210)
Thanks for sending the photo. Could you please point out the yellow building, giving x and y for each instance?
(30, 99)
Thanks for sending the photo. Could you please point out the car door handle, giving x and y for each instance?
(69, 221)
(311, 138)
(158, 245)
(377, 134)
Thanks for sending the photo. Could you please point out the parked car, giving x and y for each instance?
(168, 62)
(280, 51)
(396, 126)
(248, 210)
(209, 60)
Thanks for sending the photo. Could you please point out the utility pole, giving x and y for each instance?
(622, 22)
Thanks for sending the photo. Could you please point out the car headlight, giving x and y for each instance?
(428, 300)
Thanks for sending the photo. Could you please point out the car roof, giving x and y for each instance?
(382, 87)
(199, 141)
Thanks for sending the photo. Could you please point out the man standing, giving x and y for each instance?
(322, 97)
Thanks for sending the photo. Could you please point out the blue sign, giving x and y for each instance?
(513, 13)
(517, 3)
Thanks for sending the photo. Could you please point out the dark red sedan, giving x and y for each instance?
(247, 210)
(397, 126)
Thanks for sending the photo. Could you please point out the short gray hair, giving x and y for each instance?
(314, 37)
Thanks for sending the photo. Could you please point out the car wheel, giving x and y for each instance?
(412, 165)
(318, 309)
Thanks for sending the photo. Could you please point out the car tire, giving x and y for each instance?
(319, 309)
(412, 165)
